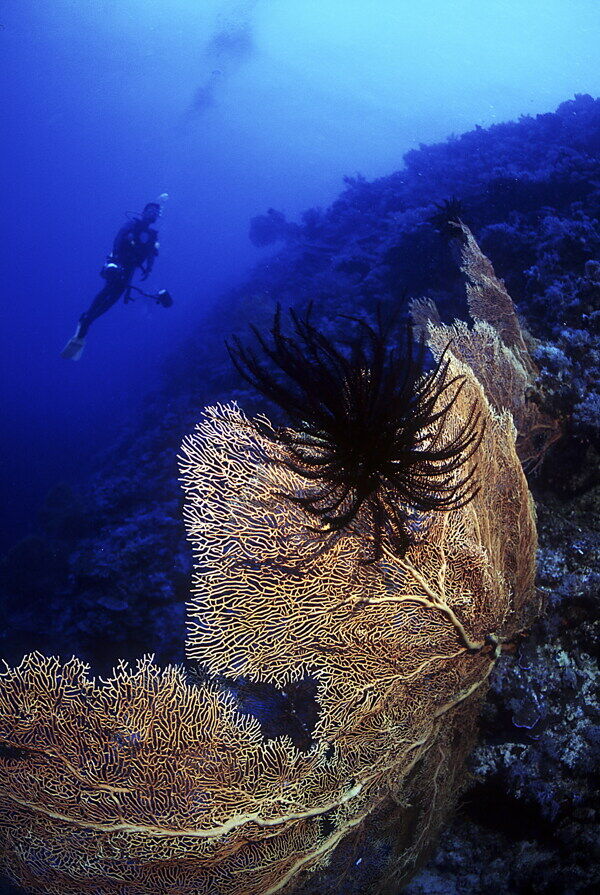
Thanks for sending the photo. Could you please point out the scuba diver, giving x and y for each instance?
(135, 245)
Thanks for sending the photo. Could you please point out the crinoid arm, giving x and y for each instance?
(447, 218)
(366, 432)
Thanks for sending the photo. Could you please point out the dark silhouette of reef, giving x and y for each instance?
(107, 571)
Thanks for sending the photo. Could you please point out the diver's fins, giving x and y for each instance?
(73, 349)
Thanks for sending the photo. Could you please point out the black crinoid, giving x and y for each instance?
(365, 426)
(445, 219)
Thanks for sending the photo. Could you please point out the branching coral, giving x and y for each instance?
(146, 783)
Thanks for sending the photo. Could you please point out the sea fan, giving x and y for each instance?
(366, 426)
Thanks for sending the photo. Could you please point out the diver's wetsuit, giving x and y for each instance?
(135, 245)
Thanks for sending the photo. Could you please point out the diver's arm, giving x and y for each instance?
(148, 263)
(122, 239)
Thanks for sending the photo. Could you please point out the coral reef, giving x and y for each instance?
(114, 564)
(147, 782)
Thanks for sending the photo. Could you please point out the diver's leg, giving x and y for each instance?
(103, 301)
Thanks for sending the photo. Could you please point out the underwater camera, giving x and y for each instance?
(163, 297)
(111, 270)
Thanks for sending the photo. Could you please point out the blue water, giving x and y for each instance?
(231, 108)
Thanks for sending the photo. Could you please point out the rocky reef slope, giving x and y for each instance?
(108, 571)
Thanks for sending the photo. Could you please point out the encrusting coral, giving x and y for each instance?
(147, 782)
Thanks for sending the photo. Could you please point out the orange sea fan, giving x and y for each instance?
(148, 783)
